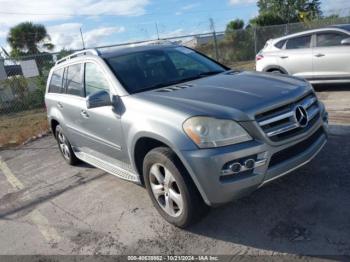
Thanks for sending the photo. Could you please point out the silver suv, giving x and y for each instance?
(320, 56)
(192, 131)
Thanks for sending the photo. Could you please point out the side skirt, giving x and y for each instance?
(108, 167)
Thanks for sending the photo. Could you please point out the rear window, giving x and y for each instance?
(280, 44)
(75, 80)
(56, 81)
(299, 42)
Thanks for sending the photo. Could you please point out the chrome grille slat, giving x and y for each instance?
(313, 112)
(309, 102)
(282, 130)
(276, 122)
(276, 118)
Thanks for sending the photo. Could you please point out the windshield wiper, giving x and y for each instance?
(210, 73)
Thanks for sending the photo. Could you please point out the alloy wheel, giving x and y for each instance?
(165, 190)
(63, 144)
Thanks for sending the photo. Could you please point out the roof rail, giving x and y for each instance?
(75, 54)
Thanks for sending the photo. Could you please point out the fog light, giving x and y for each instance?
(235, 167)
(249, 163)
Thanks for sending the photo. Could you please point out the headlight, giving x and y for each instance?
(211, 132)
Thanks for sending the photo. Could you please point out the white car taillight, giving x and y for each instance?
(259, 57)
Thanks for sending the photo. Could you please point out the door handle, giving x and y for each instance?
(59, 105)
(283, 57)
(319, 55)
(84, 114)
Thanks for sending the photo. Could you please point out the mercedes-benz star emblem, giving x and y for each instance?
(301, 116)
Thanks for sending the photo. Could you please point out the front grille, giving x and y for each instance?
(281, 123)
(292, 151)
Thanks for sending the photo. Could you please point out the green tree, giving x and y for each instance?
(266, 19)
(236, 24)
(28, 39)
(272, 12)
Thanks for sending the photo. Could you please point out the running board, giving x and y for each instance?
(108, 167)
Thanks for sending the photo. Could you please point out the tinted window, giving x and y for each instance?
(183, 62)
(299, 42)
(155, 68)
(280, 44)
(330, 39)
(74, 80)
(56, 81)
(94, 79)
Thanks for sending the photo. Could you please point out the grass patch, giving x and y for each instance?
(15, 128)
(244, 65)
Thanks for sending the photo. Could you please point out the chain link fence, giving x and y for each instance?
(23, 79)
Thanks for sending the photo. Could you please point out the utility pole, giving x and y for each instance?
(157, 30)
(82, 37)
(212, 28)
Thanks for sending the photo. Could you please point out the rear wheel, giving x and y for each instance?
(276, 71)
(65, 147)
(172, 191)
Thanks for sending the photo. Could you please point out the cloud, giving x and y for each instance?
(186, 8)
(49, 10)
(190, 6)
(242, 2)
(68, 35)
(336, 7)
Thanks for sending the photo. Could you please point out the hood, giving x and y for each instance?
(238, 95)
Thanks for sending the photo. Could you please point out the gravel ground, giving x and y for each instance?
(48, 207)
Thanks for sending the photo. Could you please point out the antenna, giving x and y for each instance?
(157, 30)
(82, 37)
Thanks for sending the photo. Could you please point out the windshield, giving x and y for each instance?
(150, 69)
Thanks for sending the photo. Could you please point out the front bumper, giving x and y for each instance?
(206, 166)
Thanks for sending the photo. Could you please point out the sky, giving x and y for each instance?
(105, 22)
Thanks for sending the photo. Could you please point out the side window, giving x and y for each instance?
(299, 42)
(330, 39)
(74, 80)
(56, 81)
(94, 79)
(280, 44)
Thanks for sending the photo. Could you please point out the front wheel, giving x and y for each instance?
(172, 191)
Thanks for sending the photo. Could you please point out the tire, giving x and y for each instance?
(276, 71)
(65, 147)
(171, 189)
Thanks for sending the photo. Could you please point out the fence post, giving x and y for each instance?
(212, 27)
(216, 46)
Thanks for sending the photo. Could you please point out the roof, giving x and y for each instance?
(344, 27)
(123, 50)
(341, 27)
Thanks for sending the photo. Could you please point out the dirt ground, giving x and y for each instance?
(48, 207)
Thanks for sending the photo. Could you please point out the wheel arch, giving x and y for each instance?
(153, 142)
(275, 67)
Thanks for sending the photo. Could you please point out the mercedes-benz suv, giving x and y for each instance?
(192, 131)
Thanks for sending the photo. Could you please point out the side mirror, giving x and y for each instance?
(345, 41)
(98, 99)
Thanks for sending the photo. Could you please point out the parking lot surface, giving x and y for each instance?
(48, 207)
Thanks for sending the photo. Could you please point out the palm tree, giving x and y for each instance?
(28, 39)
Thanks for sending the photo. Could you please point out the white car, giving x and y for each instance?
(320, 56)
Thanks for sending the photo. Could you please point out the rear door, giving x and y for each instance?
(331, 59)
(296, 56)
(72, 103)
